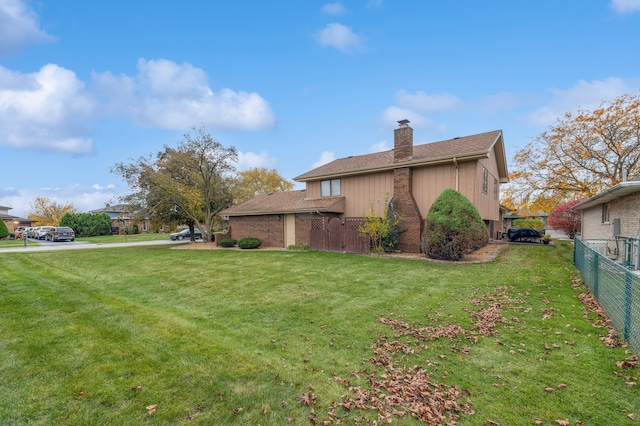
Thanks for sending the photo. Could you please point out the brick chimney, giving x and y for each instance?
(403, 202)
(403, 142)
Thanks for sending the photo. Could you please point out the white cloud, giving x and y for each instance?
(380, 147)
(83, 198)
(333, 8)
(325, 157)
(19, 27)
(341, 37)
(625, 6)
(45, 110)
(393, 114)
(175, 96)
(415, 106)
(583, 96)
(250, 160)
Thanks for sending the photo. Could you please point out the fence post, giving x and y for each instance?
(627, 305)
(596, 270)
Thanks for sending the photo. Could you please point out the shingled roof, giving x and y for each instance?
(285, 202)
(462, 149)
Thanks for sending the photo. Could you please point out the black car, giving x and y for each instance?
(186, 235)
(515, 234)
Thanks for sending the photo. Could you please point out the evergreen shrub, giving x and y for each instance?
(249, 243)
(453, 227)
(228, 242)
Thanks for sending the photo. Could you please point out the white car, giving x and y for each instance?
(41, 233)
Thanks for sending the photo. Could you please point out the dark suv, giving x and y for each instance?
(60, 233)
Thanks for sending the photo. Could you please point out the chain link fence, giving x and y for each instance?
(614, 284)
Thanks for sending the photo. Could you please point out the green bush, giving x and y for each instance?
(249, 243)
(87, 224)
(4, 231)
(453, 227)
(529, 223)
(136, 230)
(228, 242)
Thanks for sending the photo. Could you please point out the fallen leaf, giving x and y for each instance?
(136, 388)
(151, 409)
(538, 422)
(563, 422)
(237, 410)
(550, 390)
(193, 416)
(562, 386)
(631, 416)
(630, 383)
(83, 393)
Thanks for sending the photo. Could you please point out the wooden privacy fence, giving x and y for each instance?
(335, 234)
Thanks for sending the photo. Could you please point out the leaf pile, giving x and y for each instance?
(399, 390)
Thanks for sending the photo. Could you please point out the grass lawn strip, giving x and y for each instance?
(153, 335)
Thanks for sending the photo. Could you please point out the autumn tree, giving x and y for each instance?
(192, 182)
(48, 213)
(256, 181)
(565, 219)
(577, 157)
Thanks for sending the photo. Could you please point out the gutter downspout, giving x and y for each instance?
(455, 161)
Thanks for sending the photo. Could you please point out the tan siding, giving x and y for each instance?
(313, 189)
(361, 191)
(428, 184)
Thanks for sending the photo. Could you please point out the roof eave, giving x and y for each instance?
(620, 190)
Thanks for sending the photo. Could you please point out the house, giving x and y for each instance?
(612, 213)
(344, 190)
(511, 216)
(122, 219)
(14, 222)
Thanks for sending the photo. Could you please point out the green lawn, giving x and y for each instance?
(14, 243)
(218, 337)
(151, 236)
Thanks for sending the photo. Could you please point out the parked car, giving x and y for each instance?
(60, 233)
(41, 233)
(31, 231)
(185, 234)
(527, 234)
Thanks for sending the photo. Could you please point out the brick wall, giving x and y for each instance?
(268, 228)
(627, 209)
(405, 206)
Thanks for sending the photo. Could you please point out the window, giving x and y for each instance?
(485, 180)
(606, 210)
(330, 188)
(495, 188)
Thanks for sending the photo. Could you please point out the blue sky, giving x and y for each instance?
(291, 84)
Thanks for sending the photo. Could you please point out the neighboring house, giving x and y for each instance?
(413, 176)
(612, 213)
(13, 222)
(123, 219)
(524, 214)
